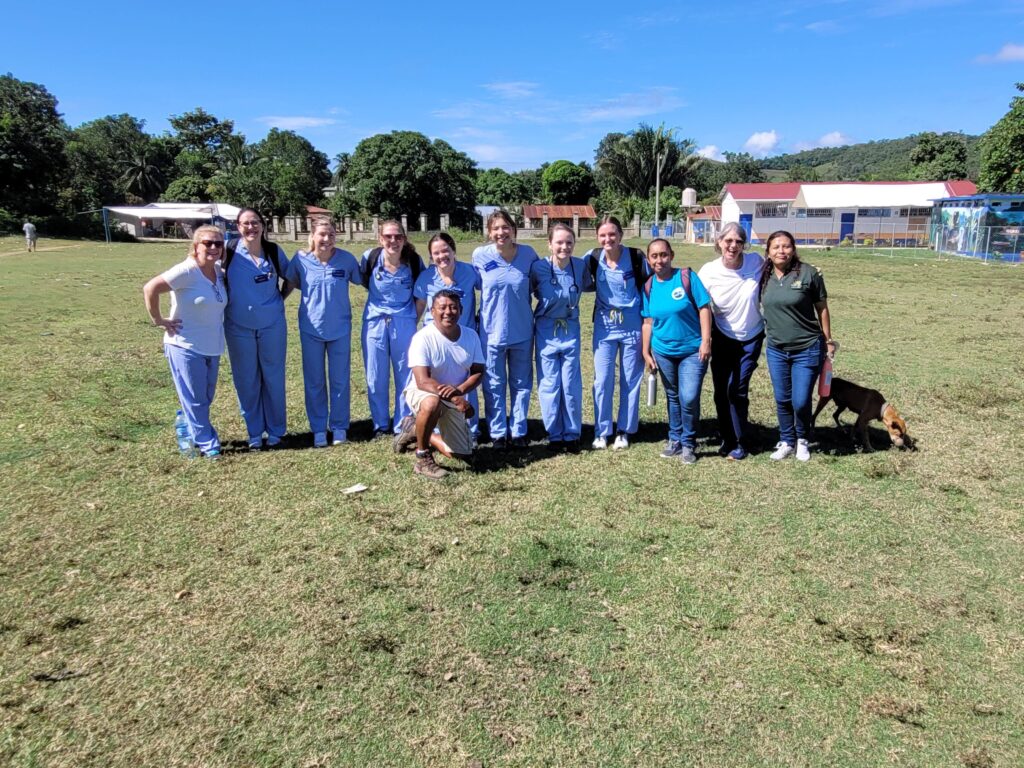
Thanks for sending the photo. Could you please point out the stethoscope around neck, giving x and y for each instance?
(574, 289)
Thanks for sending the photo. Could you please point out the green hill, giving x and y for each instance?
(884, 160)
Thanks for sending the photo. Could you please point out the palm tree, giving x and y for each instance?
(140, 175)
(630, 162)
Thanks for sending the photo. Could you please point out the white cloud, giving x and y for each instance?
(830, 139)
(711, 152)
(631, 106)
(518, 89)
(1008, 52)
(295, 122)
(505, 156)
(761, 143)
(822, 27)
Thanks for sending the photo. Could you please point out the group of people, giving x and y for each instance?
(647, 314)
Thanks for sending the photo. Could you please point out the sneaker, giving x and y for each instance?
(687, 456)
(739, 453)
(782, 451)
(599, 444)
(213, 454)
(672, 450)
(499, 444)
(339, 437)
(320, 440)
(255, 443)
(725, 449)
(621, 442)
(273, 442)
(427, 467)
(803, 450)
(406, 435)
(519, 442)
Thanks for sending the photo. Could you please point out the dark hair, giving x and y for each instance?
(442, 236)
(504, 216)
(557, 226)
(265, 245)
(766, 270)
(447, 293)
(609, 219)
(659, 240)
(409, 253)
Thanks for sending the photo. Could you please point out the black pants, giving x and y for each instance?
(732, 364)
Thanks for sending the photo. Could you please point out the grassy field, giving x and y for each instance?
(606, 609)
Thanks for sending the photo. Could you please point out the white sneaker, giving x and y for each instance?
(320, 440)
(782, 450)
(621, 442)
(599, 444)
(340, 437)
(803, 450)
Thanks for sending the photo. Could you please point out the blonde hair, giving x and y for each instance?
(557, 226)
(318, 224)
(504, 216)
(198, 235)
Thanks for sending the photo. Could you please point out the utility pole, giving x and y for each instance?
(662, 156)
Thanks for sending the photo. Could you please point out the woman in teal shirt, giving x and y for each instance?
(676, 338)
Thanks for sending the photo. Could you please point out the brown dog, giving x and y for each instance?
(869, 405)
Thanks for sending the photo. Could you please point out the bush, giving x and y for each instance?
(9, 222)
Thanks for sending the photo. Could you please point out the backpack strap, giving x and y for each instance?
(371, 264)
(229, 254)
(637, 261)
(684, 278)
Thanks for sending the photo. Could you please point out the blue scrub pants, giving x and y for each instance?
(257, 368)
(386, 342)
(609, 344)
(195, 380)
(793, 375)
(682, 376)
(509, 372)
(319, 378)
(732, 365)
(560, 388)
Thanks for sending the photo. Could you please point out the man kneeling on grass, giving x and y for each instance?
(447, 362)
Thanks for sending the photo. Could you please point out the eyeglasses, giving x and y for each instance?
(250, 225)
(212, 243)
(733, 242)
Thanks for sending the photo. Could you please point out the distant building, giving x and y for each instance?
(988, 226)
(703, 227)
(828, 213)
(533, 215)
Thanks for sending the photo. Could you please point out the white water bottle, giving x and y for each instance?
(652, 389)
(186, 446)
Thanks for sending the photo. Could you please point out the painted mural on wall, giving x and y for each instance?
(981, 232)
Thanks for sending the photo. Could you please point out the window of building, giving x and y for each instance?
(874, 213)
(915, 212)
(813, 213)
(772, 210)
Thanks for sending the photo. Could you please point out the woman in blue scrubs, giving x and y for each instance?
(389, 322)
(255, 328)
(617, 272)
(446, 272)
(557, 283)
(323, 276)
(506, 329)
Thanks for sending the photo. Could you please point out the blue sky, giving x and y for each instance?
(517, 84)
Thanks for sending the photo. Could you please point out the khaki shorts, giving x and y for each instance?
(452, 424)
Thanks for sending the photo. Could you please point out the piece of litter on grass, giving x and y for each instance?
(21, 426)
(181, 595)
(357, 488)
(47, 333)
(200, 494)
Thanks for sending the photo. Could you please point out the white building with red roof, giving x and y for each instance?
(830, 212)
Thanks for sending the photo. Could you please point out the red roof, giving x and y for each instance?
(961, 188)
(790, 189)
(712, 212)
(313, 210)
(558, 211)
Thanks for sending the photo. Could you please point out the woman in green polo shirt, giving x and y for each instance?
(798, 332)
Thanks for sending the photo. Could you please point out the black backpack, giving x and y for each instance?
(415, 265)
(637, 262)
(271, 253)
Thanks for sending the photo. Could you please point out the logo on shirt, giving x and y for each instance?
(678, 293)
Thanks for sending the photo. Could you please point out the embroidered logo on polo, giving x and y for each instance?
(678, 293)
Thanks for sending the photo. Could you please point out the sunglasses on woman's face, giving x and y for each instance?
(212, 243)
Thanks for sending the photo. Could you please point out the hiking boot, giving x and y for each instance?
(783, 450)
(406, 434)
(803, 450)
(427, 467)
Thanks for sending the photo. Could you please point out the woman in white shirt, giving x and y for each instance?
(194, 330)
(736, 338)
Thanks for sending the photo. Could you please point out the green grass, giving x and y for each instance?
(603, 609)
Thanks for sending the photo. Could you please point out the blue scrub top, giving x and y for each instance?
(390, 294)
(557, 290)
(465, 282)
(676, 322)
(616, 288)
(325, 310)
(506, 316)
(254, 300)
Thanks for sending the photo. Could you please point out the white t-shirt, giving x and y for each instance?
(200, 307)
(734, 296)
(449, 361)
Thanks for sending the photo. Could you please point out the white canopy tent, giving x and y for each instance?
(130, 217)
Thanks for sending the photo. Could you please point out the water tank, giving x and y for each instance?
(689, 198)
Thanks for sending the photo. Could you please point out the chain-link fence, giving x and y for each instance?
(997, 243)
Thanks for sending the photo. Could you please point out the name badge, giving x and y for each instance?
(490, 265)
(337, 273)
(261, 278)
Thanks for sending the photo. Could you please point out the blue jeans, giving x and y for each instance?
(793, 375)
(733, 362)
(682, 377)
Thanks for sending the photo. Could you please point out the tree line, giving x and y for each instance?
(67, 174)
